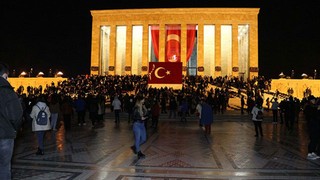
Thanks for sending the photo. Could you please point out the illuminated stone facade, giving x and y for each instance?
(34, 82)
(299, 86)
(226, 40)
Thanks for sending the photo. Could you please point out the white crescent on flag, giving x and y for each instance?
(156, 73)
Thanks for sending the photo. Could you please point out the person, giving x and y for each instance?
(101, 110)
(282, 107)
(274, 108)
(289, 113)
(80, 106)
(67, 112)
(184, 110)
(198, 111)
(54, 108)
(173, 107)
(37, 128)
(139, 130)
(130, 108)
(206, 116)
(312, 112)
(93, 109)
(155, 113)
(242, 104)
(163, 105)
(11, 113)
(256, 120)
(116, 104)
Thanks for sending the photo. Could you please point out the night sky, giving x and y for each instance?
(57, 34)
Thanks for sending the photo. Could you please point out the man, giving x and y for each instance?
(242, 104)
(10, 120)
(274, 108)
(116, 103)
(80, 106)
(311, 112)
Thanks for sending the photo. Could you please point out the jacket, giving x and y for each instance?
(34, 114)
(116, 103)
(10, 111)
(206, 114)
(254, 113)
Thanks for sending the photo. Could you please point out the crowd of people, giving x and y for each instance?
(93, 94)
(200, 95)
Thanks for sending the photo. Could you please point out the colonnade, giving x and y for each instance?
(222, 48)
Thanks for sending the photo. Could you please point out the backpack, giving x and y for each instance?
(42, 117)
(259, 115)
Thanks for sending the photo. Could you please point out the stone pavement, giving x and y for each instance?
(176, 151)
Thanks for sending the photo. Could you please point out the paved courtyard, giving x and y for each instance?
(176, 151)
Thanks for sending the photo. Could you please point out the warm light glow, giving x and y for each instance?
(23, 74)
(59, 74)
(40, 74)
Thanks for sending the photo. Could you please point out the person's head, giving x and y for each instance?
(140, 100)
(312, 99)
(259, 105)
(41, 98)
(4, 70)
(290, 98)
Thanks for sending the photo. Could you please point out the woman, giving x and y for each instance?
(206, 116)
(257, 118)
(139, 130)
(37, 128)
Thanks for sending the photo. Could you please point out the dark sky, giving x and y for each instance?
(57, 34)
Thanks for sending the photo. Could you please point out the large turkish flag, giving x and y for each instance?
(173, 43)
(165, 73)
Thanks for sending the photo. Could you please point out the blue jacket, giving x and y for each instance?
(206, 114)
(80, 104)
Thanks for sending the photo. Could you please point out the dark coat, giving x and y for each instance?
(206, 114)
(10, 111)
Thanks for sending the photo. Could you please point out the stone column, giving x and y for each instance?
(183, 46)
(235, 53)
(112, 52)
(217, 50)
(253, 49)
(200, 63)
(145, 49)
(95, 47)
(162, 42)
(128, 66)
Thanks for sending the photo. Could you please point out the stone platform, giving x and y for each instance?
(176, 151)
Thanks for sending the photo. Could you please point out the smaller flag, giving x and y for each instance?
(165, 73)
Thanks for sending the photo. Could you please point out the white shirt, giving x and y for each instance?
(254, 113)
(199, 108)
(116, 104)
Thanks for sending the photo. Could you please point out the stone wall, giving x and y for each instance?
(299, 86)
(34, 82)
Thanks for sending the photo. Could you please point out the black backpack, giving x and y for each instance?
(259, 115)
(42, 117)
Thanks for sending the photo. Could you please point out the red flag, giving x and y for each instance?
(173, 43)
(165, 73)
